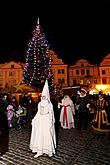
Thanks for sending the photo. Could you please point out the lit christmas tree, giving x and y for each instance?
(37, 65)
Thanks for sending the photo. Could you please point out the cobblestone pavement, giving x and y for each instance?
(74, 148)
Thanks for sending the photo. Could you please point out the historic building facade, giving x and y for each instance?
(10, 74)
(104, 70)
(83, 73)
(59, 69)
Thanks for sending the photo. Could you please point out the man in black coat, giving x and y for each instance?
(82, 110)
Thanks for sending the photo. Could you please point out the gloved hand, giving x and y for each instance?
(88, 105)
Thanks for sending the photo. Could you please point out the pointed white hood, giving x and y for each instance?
(45, 91)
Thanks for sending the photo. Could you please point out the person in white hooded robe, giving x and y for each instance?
(67, 113)
(43, 139)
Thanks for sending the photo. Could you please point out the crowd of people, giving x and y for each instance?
(52, 112)
(68, 114)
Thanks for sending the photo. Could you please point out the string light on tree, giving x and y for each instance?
(37, 63)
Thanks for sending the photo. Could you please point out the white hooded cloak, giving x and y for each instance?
(43, 139)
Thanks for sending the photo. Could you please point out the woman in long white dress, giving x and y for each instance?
(67, 113)
(43, 139)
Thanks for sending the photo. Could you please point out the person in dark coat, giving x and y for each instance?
(54, 100)
(4, 132)
(82, 105)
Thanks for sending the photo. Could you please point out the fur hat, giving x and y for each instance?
(83, 90)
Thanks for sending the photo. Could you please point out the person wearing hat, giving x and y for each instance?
(82, 105)
(100, 122)
(43, 139)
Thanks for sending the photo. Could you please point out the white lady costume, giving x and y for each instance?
(43, 140)
(67, 112)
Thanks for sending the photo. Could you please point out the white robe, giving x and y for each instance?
(70, 111)
(43, 139)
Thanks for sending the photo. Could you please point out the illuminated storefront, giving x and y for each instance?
(104, 88)
(93, 91)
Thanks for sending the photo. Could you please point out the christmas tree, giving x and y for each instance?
(37, 63)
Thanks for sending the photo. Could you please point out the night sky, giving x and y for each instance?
(74, 31)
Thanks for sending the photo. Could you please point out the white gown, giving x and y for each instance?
(43, 139)
(70, 111)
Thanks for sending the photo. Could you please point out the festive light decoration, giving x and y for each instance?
(22, 88)
(37, 63)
